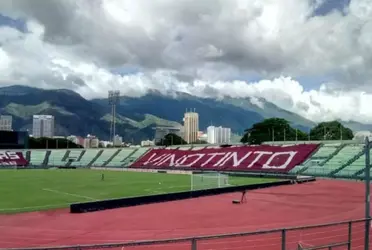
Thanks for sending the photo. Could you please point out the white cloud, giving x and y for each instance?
(196, 47)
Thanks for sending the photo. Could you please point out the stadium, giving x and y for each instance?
(182, 197)
(186, 125)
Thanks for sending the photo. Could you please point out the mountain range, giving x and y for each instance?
(136, 117)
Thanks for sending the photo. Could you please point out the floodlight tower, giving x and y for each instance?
(113, 100)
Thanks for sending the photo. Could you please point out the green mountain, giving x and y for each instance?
(136, 117)
(73, 114)
(238, 114)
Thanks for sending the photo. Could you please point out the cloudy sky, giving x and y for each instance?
(313, 57)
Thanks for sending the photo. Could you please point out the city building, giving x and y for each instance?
(162, 131)
(191, 127)
(91, 141)
(202, 136)
(105, 144)
(6, 122)
(43, 126)
(147, 143)
(118, 141)
(218, 135)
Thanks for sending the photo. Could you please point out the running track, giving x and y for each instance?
(295, 205)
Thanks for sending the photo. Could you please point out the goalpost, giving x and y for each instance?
(208, 180)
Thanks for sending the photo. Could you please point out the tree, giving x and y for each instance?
(333, 130)
(272, 129)
(171, 139)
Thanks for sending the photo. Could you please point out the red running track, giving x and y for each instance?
(295, 205)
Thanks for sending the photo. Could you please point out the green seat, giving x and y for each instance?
(340, 159)
(317, 159)
(105, 156)
(56, 156)
(74, 155)
(37, 157)
(354, 167)
(118, 160)
(87, 157)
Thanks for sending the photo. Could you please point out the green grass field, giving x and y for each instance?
(31, 190)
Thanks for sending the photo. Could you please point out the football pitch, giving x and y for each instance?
(32, 190)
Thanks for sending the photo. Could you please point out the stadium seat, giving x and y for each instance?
(56, 157)
(351, 169)
(104, 157)
(74, 155)
(346, 154)
(133, 157)
(37, 157)
(318, 158)
(118, 160)
(86, 158)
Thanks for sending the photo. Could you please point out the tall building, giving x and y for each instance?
(6, 122)
(218, 135)
(43, 126)
(191, 126)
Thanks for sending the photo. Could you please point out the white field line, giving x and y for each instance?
(70, 194)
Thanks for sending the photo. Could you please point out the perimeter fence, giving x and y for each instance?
(335, 236)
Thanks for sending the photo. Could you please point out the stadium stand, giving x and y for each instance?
(331, 159)
(118, 159)
(339, 159)
(361, 172)
(56, 157)
(73, 156)
(86, 158)
(37, 157)
(27, 155)
(104, 157)
(264, 158)
(321, 156)
(137, 153)
(354, 167)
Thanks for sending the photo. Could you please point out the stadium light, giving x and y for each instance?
(113, 100)
(113, 97)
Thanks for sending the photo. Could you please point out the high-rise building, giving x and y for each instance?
(191, 126)
(218, 135)
(6, 122)
(43, 126)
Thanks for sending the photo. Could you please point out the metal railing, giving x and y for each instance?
(320, 236)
